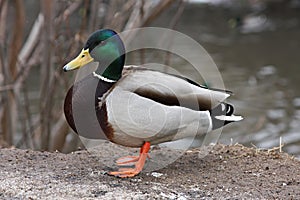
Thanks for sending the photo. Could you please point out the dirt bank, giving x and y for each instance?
(234, 172)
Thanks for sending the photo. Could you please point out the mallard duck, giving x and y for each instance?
(135, 106)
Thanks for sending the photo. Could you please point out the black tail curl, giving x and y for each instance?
(223, 109)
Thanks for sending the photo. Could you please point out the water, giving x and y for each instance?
(259, 61)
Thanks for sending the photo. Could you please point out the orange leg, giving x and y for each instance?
(139, 162)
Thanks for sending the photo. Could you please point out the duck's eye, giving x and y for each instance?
(103, 42)
(82, 56)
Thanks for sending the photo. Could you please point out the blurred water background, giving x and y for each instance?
(256, 48)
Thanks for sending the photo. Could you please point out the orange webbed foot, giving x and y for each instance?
(138, 161)
(127, 160)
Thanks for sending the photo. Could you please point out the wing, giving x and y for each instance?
(171, 90)
(202, 86)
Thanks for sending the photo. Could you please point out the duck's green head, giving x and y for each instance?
(103, 46)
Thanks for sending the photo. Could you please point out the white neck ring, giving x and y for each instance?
(103, 78)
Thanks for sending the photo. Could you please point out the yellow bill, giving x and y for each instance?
(82, 59)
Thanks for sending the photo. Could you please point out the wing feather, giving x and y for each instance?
(171, 90)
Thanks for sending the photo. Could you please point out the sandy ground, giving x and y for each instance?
(227, 172)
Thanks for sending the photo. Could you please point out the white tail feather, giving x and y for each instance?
(229, 118)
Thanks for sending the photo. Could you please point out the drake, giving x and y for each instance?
(138, 107)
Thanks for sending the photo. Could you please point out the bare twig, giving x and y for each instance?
(94, 7)
(70, 10)
(172, 25)
(3, 14)
(152, 10)
(10, 72)
(17, 38)
(28, 50)
(280, 144)
(32, 39)
(156, 11)
(6, 122)
(27, 138)
(59, 133)
(142, 15)
(6, 87)
(45, 117)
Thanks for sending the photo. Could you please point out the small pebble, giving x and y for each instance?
(156, 174)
